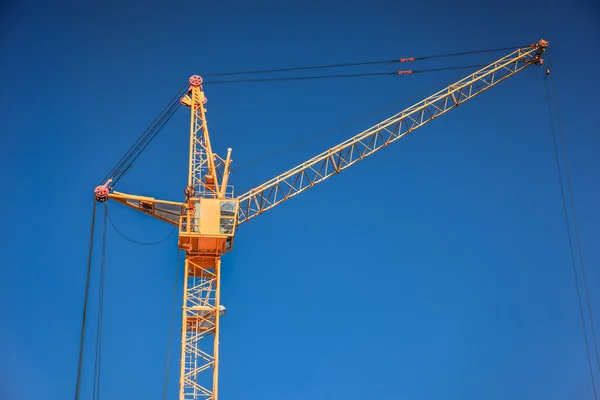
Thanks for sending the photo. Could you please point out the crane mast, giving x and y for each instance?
(210, 215)
(205, 232)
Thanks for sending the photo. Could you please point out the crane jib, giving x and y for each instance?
(347, 153)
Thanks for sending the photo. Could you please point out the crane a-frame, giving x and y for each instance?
(210, 215)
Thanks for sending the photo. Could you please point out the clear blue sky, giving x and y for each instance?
(437, 269)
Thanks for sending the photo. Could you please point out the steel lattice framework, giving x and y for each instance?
(200, 321)
(342, 156)
(209, 217)
(199, 164)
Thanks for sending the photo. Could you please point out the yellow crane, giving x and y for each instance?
(210, 215)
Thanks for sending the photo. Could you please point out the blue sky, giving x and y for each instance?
(437, 269)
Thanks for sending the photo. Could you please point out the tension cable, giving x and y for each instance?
(85, 305)
(297, 78)
(570, 240)
(126, 162)
(353, 64)
(98, 361)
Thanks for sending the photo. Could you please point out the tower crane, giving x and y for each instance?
(210, 215)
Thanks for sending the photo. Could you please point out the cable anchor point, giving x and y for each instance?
(101, 192)
(196, 82)
(541, 46)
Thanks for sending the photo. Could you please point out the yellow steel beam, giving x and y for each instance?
(167, 211)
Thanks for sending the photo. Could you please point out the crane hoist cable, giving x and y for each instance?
(570, 240)
(575, 219)
(353, 64)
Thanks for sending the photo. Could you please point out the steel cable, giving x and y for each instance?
(146, 137)
(353, 64)
(570, 241)
(85, 305)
